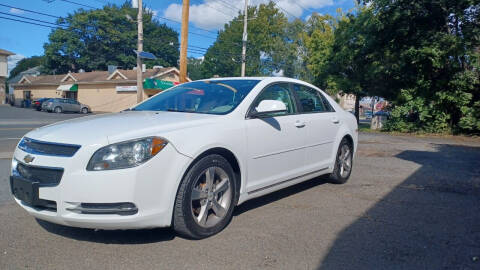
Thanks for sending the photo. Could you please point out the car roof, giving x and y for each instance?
(273, 79)
(269, 79)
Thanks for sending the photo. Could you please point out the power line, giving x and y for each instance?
(31, 11)
(218, 10)
(12, 19)
(303, 7)
(276, 4)
(22, 17)
(171, 20)
(226, 4)
(76, 3)
(192, 50)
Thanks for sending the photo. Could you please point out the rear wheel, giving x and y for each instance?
(206, 198)
(343, 163)
(58, 109)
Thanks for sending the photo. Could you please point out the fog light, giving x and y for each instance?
(123, 208)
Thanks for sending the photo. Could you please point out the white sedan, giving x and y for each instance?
(183, 158)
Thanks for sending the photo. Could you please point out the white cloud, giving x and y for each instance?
(13, 60)
(213, 14)
(153, 11)
(278, 73)
(16, 11)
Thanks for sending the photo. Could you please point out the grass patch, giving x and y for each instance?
(365, 127)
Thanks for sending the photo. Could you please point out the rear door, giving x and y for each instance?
(321, 127)
(66, 106)
(275, 143)
(75, 105)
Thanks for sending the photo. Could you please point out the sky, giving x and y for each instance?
(206, 18)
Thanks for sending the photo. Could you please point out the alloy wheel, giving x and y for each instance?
(211, 197)
(345, 160)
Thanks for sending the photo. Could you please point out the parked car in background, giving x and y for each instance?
(185, 157)
(368, 114)
(44, 105)
(382, 113)
(59, 105)
(37, 104)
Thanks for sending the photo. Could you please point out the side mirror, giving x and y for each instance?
(269, 106)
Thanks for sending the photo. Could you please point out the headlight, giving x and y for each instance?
(125, 154)
(13, 170)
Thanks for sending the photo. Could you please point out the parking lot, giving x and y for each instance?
(411, 203)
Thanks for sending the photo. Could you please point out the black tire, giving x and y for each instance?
(183, 218)
(58, 109)
(336, 176)
(84, 110)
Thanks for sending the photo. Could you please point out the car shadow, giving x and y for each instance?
(278, 195)
(272, 122)
(123, 237)
(145, 236)
(429, 221)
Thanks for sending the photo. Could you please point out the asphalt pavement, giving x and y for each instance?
(16, 122)
(411, 203)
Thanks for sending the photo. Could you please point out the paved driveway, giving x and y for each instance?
(411, 203)
(15, 122)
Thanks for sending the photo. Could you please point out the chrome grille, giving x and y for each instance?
(47, 148)
(44, 176)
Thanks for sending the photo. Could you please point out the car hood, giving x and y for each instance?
(115, 127)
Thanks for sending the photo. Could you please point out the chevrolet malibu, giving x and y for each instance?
(185, 157)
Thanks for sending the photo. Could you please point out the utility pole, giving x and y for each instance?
(184, 41)
(244, 38)
(139, 50)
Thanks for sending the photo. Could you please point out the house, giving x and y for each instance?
(34, 71)
(4, 54)
(346, 101)
(106, 91)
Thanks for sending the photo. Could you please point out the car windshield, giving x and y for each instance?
(211, 97)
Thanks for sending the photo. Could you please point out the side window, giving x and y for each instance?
(310, 99)
(278, 92)
(327, 104)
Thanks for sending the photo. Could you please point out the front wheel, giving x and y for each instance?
(84, 110)
(343, 163)
(58, 109)
(206, 198)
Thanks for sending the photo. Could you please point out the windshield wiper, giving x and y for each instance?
(174, 110)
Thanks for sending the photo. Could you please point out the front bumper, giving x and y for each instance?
(150, 187)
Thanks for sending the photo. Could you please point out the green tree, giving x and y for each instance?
(427, 63)
(194, 68)
(319, 39)
(344, 61)
(25, 64)
(266, 47)
(97, 38)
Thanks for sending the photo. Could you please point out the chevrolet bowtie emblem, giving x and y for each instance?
(28, 158)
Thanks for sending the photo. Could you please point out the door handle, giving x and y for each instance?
(299, 124)
(335, 120)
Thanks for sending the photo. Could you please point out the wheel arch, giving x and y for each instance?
(349, 139)
(229, 156)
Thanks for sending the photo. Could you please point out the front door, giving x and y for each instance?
(275, 142)
(71, 94)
